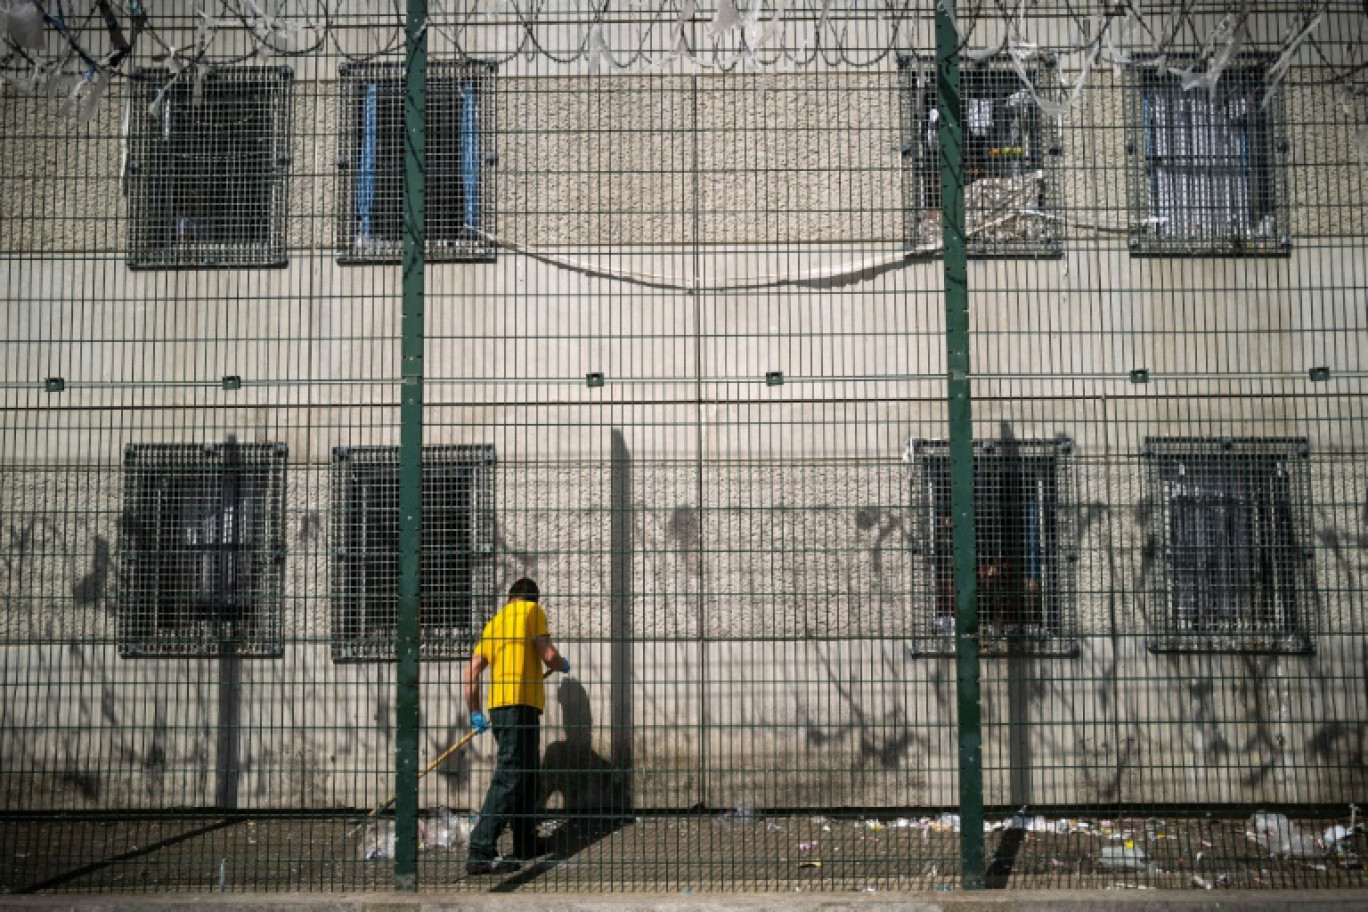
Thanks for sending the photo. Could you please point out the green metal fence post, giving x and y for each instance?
(961, 446)
(410, 453)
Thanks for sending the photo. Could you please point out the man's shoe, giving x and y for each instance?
(498, 866)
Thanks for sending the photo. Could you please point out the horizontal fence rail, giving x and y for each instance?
(937, 435)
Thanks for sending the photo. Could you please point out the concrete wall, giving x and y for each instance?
(727, 562)
(770, 656)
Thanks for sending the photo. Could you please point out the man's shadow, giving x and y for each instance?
(596, 798)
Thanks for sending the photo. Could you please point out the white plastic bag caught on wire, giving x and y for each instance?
(726, 19)
(22, 23)
(1230, 36)
(597, 53)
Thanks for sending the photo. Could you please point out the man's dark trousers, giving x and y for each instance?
(512, 796)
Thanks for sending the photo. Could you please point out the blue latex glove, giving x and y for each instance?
(479, 723)
(565, 665)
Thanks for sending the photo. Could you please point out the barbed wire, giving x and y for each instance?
(76, 48)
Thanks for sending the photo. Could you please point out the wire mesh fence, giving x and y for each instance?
(675, 335)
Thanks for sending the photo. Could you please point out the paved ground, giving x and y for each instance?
(1021, 901)
(679, 856)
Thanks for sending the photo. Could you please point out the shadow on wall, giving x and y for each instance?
(588, 784)
(596, 796)
(595, 792)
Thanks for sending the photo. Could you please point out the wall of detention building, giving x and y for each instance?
(732, 528)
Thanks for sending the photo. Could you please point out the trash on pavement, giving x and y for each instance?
(443, 828)
(377, 843)
(1124, 858)
(1335, 835)
(1281, 836)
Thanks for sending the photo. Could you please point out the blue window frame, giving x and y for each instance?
(458, 153)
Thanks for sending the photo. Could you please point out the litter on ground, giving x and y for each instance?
(1124, 858)
(1281, 836)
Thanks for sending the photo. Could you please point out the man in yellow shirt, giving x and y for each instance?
(515, 644)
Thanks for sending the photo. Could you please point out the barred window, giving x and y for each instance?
(457, 153)
(204, 550)
(1230, 516)
(1010, 156)
(1206, 175)
(207, 168)
(1024, 547)
(456, 564)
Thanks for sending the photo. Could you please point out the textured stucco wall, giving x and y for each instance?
(757, 646)
(598, 161)
(752, 616)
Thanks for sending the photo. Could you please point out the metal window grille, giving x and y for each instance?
(1206, 174)
(1024, 543)
(204, 550)
(1009, 160)
(456, 562)
(209, 158)
(1234, 572)
(458, 158)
